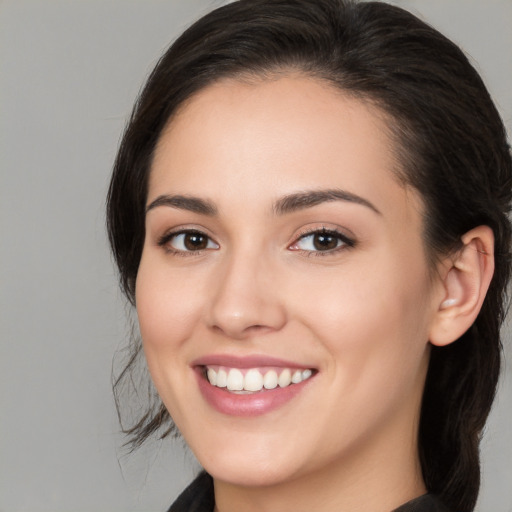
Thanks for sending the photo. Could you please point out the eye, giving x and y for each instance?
(187, 241)
(323, 240)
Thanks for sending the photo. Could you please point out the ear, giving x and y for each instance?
(465, 281)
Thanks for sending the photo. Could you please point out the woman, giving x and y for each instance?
(309, 212)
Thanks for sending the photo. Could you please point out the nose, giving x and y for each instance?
(245, 298)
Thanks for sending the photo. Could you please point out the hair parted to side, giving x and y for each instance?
(451, 144)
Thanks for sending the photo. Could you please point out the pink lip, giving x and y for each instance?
(254, 361)
(247, 405)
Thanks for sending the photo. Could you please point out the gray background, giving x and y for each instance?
(69, 72)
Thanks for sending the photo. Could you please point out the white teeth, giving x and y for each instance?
(222, 379)
(235, 380)
(306, 374)
(254, 380)
(212, 376)
(285, 378)
(270, 380)
(297, 377)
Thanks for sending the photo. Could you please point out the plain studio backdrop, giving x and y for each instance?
(69, 73)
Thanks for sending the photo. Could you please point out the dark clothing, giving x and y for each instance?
(425, 503)
(198, 497)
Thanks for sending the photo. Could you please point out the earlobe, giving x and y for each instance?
(465, 283)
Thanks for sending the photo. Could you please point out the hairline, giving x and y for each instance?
(253, 76)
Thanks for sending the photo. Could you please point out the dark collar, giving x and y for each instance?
(198, 497)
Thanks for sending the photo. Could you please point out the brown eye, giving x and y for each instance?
(325, 241)
(195, 241)
(322, 241)
(188, 241)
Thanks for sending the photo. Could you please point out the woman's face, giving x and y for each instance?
(283, 259)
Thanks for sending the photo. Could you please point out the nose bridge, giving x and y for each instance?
(244, 298)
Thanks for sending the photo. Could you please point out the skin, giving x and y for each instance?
(360, 315)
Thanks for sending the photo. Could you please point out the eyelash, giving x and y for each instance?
(346, 242)
(165, 240)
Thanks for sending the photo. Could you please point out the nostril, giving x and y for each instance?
(239, 308)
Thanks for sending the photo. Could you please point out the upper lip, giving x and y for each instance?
(252, 361)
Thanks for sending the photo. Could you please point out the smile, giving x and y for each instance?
(253, 380)
(252, 385)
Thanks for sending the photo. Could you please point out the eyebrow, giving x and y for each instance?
(308, 199)
(287, 204)
(192, 204)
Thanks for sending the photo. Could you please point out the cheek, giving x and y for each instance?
(374, 317)
(168, 311)
(168, 305)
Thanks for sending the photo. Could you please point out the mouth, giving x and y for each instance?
(254, 380)
(250, 386)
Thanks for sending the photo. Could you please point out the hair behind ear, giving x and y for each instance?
(463, 372)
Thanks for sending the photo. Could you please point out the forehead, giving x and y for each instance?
(264, 138)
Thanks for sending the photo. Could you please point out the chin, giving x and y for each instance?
(252, 474)
(253, 461)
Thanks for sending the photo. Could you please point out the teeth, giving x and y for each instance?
(270, 380)
(222, 379)
(212, 376)
(297, 377)
(285, 378)
(235, 380)
(255, 380)
(306, 374)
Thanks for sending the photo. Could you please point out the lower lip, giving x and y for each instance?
(253, 404)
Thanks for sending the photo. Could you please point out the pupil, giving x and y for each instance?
(195, 241)
(324, 242)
